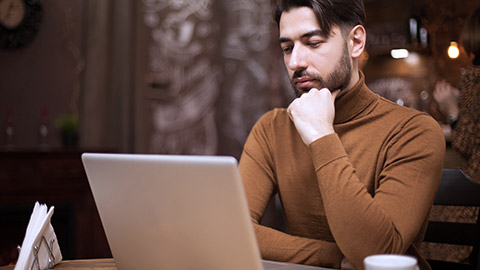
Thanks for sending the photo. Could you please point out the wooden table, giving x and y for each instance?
(94, 264)
(109, 264)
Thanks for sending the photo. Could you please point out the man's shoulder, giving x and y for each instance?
(274, 120)
(273, 115)
(403, 117)
(399, 111)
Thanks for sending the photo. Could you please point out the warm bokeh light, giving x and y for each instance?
(453, 51)
(399, 53)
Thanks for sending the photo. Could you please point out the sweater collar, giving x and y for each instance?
(354, 101)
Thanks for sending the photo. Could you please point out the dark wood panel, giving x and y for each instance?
(55, 178)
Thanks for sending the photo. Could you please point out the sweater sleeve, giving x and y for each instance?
(389, 220)
(258, 174)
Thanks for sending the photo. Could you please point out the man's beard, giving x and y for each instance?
(337, 80)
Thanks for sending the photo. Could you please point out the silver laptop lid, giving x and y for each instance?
(173, 212)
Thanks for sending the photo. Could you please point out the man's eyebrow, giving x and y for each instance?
(316, 32)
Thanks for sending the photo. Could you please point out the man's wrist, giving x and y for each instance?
(318, 135)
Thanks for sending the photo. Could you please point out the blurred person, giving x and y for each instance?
(462, 106)
(356, 174)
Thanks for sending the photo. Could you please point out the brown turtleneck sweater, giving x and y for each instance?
(367, 189)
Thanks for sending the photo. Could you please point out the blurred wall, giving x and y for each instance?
(43, 75)
(185, 77)
(411, 81)
(207, 74)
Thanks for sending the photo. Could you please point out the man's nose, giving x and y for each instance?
(297, 59)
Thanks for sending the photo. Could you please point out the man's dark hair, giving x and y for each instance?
(329, 13)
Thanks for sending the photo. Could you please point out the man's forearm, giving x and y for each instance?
(279, 246)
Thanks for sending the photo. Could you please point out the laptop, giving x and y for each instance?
(175, 212)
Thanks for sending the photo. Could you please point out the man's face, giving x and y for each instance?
(313, 58)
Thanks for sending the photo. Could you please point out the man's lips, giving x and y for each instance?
(304, 82)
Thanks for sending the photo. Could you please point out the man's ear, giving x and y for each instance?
(357, 40)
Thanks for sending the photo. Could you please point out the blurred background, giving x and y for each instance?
(191, 77)
(170, 76)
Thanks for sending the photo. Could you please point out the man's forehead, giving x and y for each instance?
(299, 21)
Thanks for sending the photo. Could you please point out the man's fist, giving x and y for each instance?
(313, 114)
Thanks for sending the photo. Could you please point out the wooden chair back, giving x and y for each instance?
(456, 189)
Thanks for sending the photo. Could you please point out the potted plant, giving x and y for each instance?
(68, 126)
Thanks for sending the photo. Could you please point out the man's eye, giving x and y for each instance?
(314, 44)
(286, 49)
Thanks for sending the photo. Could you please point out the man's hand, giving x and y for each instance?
(313, 114)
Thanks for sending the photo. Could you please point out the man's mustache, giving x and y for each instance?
(300, 73)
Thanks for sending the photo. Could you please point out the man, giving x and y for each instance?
(356, 174)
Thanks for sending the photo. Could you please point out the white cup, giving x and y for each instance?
(390, 262)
